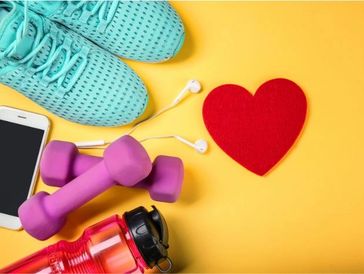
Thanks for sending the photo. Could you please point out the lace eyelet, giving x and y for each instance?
(30, 73)
(60, 92)
(85, 16)
(69, 10)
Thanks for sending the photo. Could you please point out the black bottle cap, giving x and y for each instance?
(150, 233)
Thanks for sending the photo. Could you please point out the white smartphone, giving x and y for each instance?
(22, 138)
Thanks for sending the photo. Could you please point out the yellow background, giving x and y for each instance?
(307, 214)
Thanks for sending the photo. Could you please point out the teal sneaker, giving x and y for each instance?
(149, 31)
(64, 72)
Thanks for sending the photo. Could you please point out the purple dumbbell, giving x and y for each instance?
(62, 162)
(125, 162)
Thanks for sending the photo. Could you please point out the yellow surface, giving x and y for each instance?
(307, 214)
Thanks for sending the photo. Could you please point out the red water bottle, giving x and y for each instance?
(131, 244)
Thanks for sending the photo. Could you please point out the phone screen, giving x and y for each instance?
(19, 151)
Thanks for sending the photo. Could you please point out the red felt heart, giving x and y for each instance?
(256, 130)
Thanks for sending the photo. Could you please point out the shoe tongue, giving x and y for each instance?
(11, 18)
(3, 13)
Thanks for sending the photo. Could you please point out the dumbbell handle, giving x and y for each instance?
(82, 163)
(79, 191)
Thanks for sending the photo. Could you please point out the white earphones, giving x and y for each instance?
(200, 145)
(192, 86)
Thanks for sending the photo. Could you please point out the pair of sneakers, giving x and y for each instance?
(61, 54)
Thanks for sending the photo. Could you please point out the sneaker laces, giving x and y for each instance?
(104, 9)
(56, 49)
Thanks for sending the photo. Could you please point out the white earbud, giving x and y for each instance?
(192, 86)
(200, 145)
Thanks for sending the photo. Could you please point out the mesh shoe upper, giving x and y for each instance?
(149, 31)
(67, 74)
